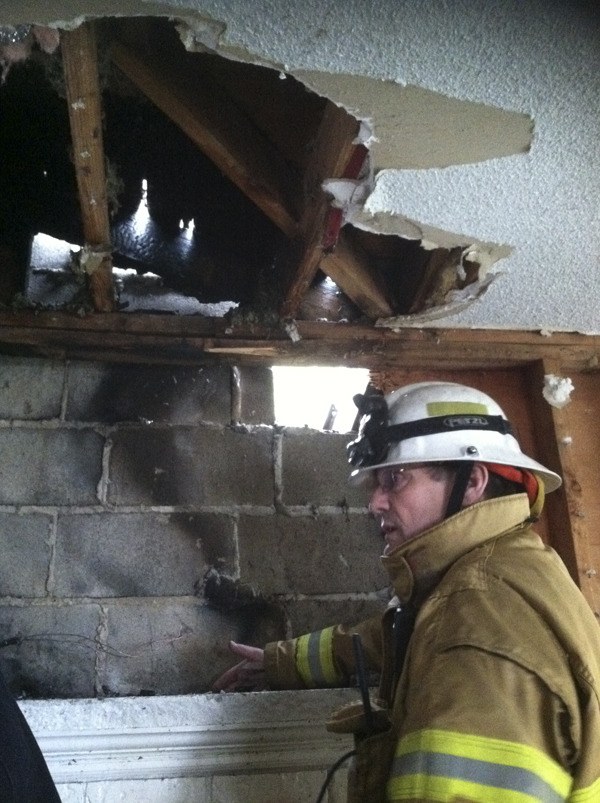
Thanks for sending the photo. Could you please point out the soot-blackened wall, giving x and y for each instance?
(148, 514)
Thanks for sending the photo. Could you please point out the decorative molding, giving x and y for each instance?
(180, 736)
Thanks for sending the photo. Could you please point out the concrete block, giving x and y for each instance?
(173, 646)
(49, 466)
(159, 393)
(256, 405)
(140, 554)
(25, 549)
(306, 615)
(315, 469)
(30, 388)
(56, 657)
(181, 466)
(327, 554)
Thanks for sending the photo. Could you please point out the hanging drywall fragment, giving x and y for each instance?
(417, 128)
(557, 390)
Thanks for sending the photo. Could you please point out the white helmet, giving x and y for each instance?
(436, 422)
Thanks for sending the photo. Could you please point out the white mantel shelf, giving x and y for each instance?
(87, 740)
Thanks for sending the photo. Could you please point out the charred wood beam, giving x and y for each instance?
(79, 55)
(216, 125)
(193, 340)
(333, 148)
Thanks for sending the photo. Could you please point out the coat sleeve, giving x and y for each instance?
(322, 658)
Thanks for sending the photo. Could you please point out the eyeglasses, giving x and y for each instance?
(393, 479)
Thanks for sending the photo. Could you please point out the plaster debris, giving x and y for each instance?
(365, 135)
(204, 35)
(557, 390)
(89, 259)
(292, 331)
(17, 41)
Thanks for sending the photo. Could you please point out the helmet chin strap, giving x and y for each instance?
(461, 480)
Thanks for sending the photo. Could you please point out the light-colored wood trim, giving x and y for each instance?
(214, 123)
(79, 55)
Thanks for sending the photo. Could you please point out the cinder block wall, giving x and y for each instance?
(148, 514)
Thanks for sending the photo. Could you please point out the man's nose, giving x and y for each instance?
(379, 500)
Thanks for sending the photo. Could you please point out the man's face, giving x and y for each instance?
(407, 501)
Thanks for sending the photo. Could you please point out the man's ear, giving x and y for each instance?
(477, 484)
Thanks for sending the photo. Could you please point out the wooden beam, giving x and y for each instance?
(549, 425)
(332, 151)
(570, 531)
(350, 269)
(192, 339)
(79, 55)
(215, 124)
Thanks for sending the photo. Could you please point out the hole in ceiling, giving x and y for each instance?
(207, 167)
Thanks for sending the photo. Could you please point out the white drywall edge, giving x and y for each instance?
(186, 736)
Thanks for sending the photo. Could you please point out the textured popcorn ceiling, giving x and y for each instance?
(484, 120)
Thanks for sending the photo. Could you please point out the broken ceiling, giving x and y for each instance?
(448, 95)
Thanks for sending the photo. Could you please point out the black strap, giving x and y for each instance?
(457, 495)
(448, 423)
(403, 626)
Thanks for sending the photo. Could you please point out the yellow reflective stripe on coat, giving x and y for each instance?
(314, 658)
(589, 794)
(443, 765)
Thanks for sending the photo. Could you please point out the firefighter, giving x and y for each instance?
(488, 654)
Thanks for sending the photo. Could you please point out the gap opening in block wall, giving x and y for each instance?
(317, 397)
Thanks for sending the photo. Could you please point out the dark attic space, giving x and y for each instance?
(194, 228)
(212, 178)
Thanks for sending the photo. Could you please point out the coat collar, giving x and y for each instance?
(415, 567)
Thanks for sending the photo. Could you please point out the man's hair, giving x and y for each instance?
(496, 485)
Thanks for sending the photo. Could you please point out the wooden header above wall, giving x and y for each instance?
(119, 337)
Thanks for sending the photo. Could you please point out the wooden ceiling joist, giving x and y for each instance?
(79, 55)
(216, 125)
(350, 269)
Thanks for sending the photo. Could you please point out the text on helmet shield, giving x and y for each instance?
(465, 421)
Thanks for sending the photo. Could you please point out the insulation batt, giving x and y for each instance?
(557, 390)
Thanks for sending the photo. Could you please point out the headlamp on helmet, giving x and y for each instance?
(372, 443)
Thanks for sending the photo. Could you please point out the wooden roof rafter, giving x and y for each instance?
(216, 125)
(196, 102)
(335, 152)
(79, 55)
